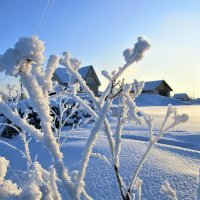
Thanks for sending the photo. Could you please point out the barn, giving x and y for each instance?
(182, 96)
(159, 87)
(87, 73)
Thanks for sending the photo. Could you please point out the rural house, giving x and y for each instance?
(182, 96)
(159, 87)
(87, 73)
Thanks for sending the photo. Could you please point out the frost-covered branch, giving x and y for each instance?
(118, 132)
(18, 121)
(101, 157)
(177, 120)
(72, 68)
(27, 54)
(26, 149)
(24, 61)
(90, 144)
(53, 180)
(133, 55)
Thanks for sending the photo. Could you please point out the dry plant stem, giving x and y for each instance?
(124, 197)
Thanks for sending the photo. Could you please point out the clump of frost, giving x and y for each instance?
(168, 191)
(3, 168)
(27, 49)
(137, 87)
(53, 62)
(136, 53)
(106, 74)
(70, 63)
(8, 189)
(34, 184)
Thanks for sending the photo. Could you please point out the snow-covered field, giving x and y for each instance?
(175, 158)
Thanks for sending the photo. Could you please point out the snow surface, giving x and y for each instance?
(154, 100)
(157, 100)
(176, 158)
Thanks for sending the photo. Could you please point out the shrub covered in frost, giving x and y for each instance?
(24, 61)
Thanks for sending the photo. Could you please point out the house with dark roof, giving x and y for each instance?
(87, 73)
(159, 87)
(182, 96)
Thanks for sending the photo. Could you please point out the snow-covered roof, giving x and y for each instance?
(63, 75)
(84, 70)
(151, 85)
(180, 95)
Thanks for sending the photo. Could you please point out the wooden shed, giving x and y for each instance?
(182, 96)
(159, 87)
(87, 73)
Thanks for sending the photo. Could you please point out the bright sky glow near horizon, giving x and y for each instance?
(97, 32)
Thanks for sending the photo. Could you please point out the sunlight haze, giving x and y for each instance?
(97, 32)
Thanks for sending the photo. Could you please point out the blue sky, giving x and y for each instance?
(97, 32)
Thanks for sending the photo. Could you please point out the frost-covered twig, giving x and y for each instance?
(118, 132)
(133, 110)
(29, 56)
(85, 195)
(53, 179)
(72, 67)
(138, 185)
(168, 191)
(177, 120)
(15, 148)
(74, 109)
(101, 157)
(26, 148)
(18, 121)
(52, 63)
(133, 55)
(89, 146)
(104, 94)
(27, 65)
(82, 103)
(72, 131)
